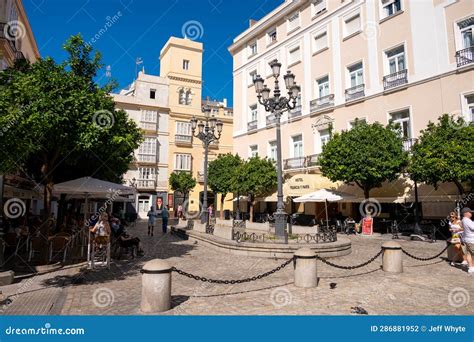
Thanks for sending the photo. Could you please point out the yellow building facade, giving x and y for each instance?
(181, 65)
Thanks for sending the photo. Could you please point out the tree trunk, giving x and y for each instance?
(366, 192)
(222, 205)
(252, 203)
(460, 187)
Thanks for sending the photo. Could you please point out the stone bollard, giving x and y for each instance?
(392, 259)
(156, 286)
(306, 273)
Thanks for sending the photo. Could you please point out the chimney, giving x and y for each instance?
(252, 22)
(224, 102)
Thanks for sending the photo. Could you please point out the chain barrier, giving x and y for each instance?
(424, 259)
(238, 281)
(350, 267)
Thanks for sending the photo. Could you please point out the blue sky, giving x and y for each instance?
(143, 28)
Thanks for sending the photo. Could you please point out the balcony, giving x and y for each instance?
(270, 120)
(321, 103)
(294, 163)
(252, 125)
(13, 44)
(355, 93)
(396, 79)
(312, 160)
(146, 184)
(147, 158)
(465, 56)
(185, 140)
(295, 113)
(301, 162)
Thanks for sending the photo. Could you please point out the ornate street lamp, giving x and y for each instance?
(277, 105)
(209, 130)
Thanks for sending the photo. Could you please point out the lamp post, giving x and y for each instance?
(277, 105)
(208, 130)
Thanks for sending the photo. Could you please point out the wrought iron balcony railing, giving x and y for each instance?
(252, 125)
(312, 160)
(294, 163)
(183, 139)
(396, 79)
(465, 56)
(294, 113)
(355, 92)
(408, 144)
(322, 102)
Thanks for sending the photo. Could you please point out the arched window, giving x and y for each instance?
(188, 98)
(182, 97)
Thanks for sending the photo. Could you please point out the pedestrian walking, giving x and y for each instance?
(467, 237)
(151, 221)
(165, 214)
(180, 211)
(455, 228)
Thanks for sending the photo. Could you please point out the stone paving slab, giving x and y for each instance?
(425, 288)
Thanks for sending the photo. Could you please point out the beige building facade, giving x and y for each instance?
(373, 60)
(16, 37)
(163, 107)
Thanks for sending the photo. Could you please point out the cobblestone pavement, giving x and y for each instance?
(426, 288)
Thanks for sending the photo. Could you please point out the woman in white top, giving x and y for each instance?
(456, 229)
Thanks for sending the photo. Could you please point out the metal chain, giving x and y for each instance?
(424, 259)
(238, 281)
(350, 267)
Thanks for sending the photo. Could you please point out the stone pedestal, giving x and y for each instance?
(224, 232)
(306, 274)
(156, 286)
(199, 227)
(392, 260)
(7, 278)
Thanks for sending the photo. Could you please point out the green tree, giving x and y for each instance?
(59, 124)
(256, 177)
(183, 182)
(367, 155)
(444, 153)
(222, 172)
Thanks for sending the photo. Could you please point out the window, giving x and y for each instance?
(403, 119)
(253, 151)
(272, 36)
(253, 113)
(324, 137)
(297, 146)
(185, 64)
(396, 60)
(320, 41)
(252, 76)
(272, 150)
(152, 94)
(183, 128)
(466, 34)
(252, 49)
(182, 162)
(188, 98)
(293, 21)
(294, 55)
(182, 97)
(470, 107)
(323, 86)
(356, 75)
(149, 116)
(146, 173)
(391, 7)
(319, 6)
(147, 151)
(352, 25)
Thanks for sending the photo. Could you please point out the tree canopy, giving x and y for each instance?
(222, 172)
(182, 181)
(256, 177)
(59, 124)
(444, 153)
(367, 155)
